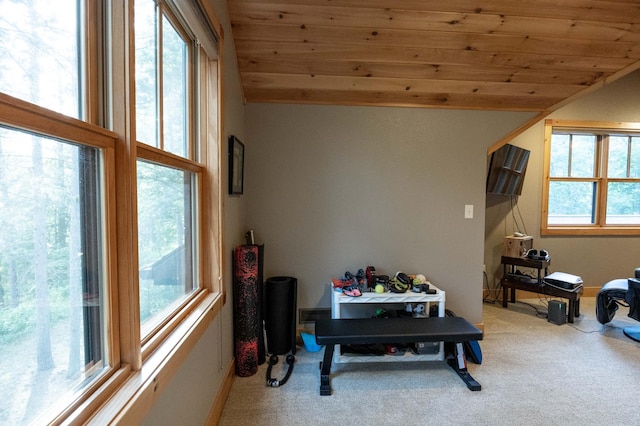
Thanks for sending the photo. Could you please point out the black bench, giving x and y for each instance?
(331, 332)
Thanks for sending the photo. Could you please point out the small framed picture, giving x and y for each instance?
(236, 165)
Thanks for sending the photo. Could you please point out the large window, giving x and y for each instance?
(592, 178)
(166, 64)
(104, 177)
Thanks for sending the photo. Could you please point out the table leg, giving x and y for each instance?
(572, 310)
(513, 295)
(577, 307)
(505, 292)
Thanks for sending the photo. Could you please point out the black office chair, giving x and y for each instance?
(613, 294)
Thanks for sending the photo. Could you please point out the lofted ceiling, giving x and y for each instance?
(515, 55)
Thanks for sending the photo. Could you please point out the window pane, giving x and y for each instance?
(51, 273)
(146, 73)
(623, 203)
(559, 166)
(174, 62)
(635, 157)
(165, 242)
(573, 155)
(618, 156)
(39, 48)
(583, 154)
(571, 203)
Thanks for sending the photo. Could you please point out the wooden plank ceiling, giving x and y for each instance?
(517, 55)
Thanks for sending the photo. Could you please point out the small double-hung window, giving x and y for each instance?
(592, 178)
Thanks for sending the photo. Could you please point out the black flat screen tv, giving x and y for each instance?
(507, 168)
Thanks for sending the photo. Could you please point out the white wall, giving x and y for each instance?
(596, 259)
(331, 189)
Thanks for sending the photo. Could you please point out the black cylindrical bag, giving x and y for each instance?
(280, 295)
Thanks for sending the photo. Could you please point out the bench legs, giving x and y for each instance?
(325, 370)
(472, 384)
(459, 365)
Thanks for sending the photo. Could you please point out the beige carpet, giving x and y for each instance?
(533, 373)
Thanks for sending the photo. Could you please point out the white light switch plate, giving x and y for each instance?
(468, 211)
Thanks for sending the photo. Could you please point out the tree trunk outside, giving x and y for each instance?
(43, 310)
